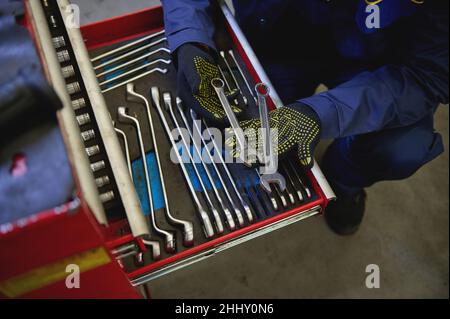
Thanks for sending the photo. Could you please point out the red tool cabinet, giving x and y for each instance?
(34, 252)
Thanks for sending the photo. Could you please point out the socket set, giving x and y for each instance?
(169, 201)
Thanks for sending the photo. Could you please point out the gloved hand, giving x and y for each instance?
(297, 126)
(196, 69)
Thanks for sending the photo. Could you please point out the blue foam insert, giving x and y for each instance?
(202, 172)
(140, 184)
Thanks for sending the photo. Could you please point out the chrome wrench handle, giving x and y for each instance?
(218, 86)
(227, 171)
(206, 222)
(269, 174)
(236, 210)
(262, 92)
(188, 231)
(215, 213)
(227, 213)
(169, 237)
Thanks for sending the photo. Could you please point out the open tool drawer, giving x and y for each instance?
(81, 57)
(106, 35)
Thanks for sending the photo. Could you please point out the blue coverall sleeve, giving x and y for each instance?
(188, 21)
(397, 94)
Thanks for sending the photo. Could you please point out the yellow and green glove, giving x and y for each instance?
(297, 126)
(196, 69)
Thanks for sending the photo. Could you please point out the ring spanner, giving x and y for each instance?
(169, 237)
(188, 231)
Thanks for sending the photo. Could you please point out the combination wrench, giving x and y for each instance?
(168, 236)
(218, 86)
(215, 213)
(292, 182)
(188, 231)
(222, 54)
(268, 191)
(197, 150)
(299, 179)
(217, 219)
(269, 158)
(203, 215)
(218, 151)
(236, 210)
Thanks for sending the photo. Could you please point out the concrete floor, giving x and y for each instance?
(405, 232)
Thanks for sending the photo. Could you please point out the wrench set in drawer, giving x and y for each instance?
(226, 196)
(164, 179)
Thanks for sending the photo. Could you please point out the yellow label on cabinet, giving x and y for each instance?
(52, 273)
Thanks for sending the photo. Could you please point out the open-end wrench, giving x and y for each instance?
(305, 188)
(222, 54)
(285, 168)
(121, 66)
(218, 86)
(257, 204)
(162, 71)
(126, 46)
(230, 52)
(120, 57)
(127, 149)
(267, 188)
(188, 230)
(197, 129)
(263, 197)
(168, 236)
(164, 61)
(218, 153)
(217, 220)
(203, 215)
(229, 219)
(269, 160)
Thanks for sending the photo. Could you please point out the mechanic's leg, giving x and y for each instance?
(356, 162)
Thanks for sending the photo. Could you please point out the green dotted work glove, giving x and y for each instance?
(196, 69)
(297, 126)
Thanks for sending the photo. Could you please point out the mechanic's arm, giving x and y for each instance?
(189, 29)
(393, 95)
(188, 21)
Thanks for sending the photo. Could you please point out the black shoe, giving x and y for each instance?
(345, 214)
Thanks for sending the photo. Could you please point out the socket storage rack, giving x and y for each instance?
(106, 229)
